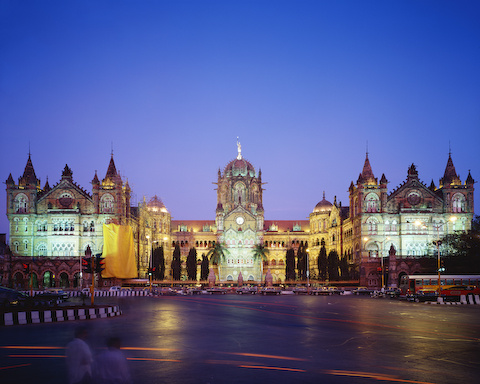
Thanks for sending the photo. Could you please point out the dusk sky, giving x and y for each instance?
(169, 85)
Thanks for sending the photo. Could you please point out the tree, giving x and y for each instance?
(333, 265)
(158, 263)
(290, 265)
(217, 253)
(176, 263)
(322, 262)
(192, 264)
(463, 250)
(344, 267)
(204, 268)
(260, 252)
(302, 263)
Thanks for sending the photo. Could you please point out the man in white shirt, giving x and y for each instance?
(111, 365)
(79, 358)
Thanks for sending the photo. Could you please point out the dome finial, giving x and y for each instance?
(239, 149)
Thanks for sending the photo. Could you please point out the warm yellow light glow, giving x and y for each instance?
(365, 239)
(453, 219)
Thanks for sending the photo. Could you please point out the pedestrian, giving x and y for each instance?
(111, 365)
(79, 358)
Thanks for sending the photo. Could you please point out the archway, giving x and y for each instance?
(18, 281)
(64, 283)
(76, 280)
(48, 279)
(34, 278)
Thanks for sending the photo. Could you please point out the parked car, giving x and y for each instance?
(59, 292)
(300, 290)
(114, 288)
(216, 290)
(11, 298)
(246, 290)
(321, 291)
(362, 291)
(270, 291)
(392, 292)
(423, 295)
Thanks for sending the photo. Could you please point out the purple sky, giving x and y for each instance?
(304, 84)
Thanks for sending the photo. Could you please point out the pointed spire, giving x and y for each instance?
(432, 186)
(112, 170)
(95, 180)
(450, 175)
(29, 177)
(46, 188)
(469, 180)
(10, 180)
(367, 175)
(383, 179)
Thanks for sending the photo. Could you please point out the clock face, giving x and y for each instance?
(240, 220)
(414, 198)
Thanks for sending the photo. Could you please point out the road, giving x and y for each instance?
(255, 339)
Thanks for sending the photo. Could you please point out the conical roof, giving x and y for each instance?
(450, 175)
(29, 177)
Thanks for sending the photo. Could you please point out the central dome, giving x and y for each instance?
(323, 206)
(239, 167)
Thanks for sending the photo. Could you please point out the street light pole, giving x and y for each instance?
(308, 271)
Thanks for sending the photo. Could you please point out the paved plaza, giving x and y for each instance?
(255, 339)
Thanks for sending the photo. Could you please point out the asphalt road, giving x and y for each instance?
(255, 339)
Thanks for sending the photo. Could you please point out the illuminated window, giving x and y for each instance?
(106, 203)
(20, 203)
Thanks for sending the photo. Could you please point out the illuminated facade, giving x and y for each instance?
(53, 226)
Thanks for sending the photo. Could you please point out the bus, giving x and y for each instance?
(447, 283)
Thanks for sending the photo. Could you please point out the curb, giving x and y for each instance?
(58, 315)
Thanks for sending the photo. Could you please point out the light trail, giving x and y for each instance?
(265, 356)
(150, 349)
(29, 347)
(372, 375)
(30, 356)
(272, 368)
(15, 366)
(151, 359)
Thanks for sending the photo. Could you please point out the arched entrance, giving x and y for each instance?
(48, 279)
(18, 281)
(64, 283)
(76, 280)
(403, 281)
(34, 278)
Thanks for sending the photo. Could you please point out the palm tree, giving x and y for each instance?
(217, 254)
(260, 252)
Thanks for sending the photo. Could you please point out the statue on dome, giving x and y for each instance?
(239, 149)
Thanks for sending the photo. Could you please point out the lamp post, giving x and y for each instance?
(308, 271)
(383, 271)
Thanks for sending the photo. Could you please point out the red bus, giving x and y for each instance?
(451, 285)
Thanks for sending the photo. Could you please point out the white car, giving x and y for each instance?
(115, 288)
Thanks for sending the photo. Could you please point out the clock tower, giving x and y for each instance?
(239, 218)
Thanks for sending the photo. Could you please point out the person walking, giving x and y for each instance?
(111, 365)
(79, 358)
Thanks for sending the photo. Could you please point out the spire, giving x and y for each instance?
(450, 176)
(95, 180)
(29, 177)
(112, 170)
(432, 186)
(10, 180)
(112, 176)
(46, 188)
(367, 174)
(469, 180)
(412, 172)
(383, 179)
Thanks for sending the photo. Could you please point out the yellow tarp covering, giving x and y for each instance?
(119, 252)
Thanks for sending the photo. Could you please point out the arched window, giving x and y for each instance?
(372, 203)
(239, 193)
(20, 203)
(42, 249)
(372, 226)
(106, 203)
(459, 203)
